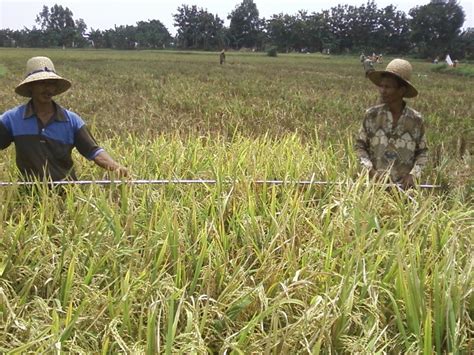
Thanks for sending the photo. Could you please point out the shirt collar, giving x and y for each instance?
(59, 114)
(386, 108)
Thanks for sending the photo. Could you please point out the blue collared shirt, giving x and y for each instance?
(45, 150)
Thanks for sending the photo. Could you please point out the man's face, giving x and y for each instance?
(390, 91)
(43, 91)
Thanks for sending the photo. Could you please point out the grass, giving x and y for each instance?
(461, 70)
(235, 266)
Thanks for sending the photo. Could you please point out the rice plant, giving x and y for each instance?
(236, 266)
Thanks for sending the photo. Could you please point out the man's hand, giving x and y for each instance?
(376, 174)
(104, 160)
(407, 182)
(122, 171)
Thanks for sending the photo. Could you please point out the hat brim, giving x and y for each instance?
(376, 78)
(24, 89)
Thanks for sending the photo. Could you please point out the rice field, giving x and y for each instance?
(238, 267)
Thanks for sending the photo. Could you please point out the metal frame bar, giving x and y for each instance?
(191, 181)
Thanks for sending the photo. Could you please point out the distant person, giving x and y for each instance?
(368, 65)
(222, 57)
(436, 60)
(45, 133)
(391, 140)
(449, 60)
(362, 57)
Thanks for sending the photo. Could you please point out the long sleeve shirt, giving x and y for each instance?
(399, 149)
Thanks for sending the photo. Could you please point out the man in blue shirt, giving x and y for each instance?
(45, 133)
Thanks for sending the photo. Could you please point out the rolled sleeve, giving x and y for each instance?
(96, 153)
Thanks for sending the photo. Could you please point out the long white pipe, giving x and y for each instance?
(188, 181)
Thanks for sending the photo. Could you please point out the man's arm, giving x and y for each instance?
(88, 147)
(421, 155)
(6, 137)
(362, 148)
(421, 158)
(105, 161)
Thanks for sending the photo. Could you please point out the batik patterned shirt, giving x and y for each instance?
(368, 65)
(401, 150)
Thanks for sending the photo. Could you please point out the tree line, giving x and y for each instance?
(428, 31)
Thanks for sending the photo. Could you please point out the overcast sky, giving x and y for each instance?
(104, 14)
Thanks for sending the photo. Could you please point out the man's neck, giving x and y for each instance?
(44, 110)
(396, 109)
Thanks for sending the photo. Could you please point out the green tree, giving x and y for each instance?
(152, 34)
(320, 36)
(393, 32)
(364, 22)
(186, 21)
(463, 47)
(340, 27)
(366, 28)
(467, 44)
(59, 26)
(80, 36)
(301, 32)
(96, 37)
(108, 37)
(35, 38)
(211, 30)
(6, 38)
(19, 37)
(280, 31)
(198, 29)
(436, 26)
(376, 30)
(245, 26)
(124, 37)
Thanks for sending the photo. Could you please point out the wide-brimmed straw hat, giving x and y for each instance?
(41, 68)
(400, 68)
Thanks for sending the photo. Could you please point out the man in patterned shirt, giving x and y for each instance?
(368, 65)
(392, 137)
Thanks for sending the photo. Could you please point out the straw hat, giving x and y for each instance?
(400, 68)
(41, 68)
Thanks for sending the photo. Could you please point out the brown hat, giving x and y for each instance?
(400, 68)
(41, 68)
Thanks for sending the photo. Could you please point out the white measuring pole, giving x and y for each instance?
(190, 181)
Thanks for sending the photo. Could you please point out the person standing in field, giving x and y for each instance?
(222, 57)
(368, 65)
(391, 139)
(44, 133)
